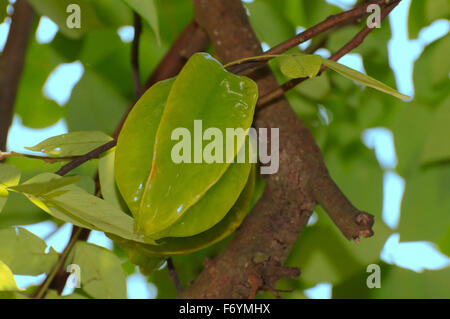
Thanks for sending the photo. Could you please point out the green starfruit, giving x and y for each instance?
(169, 197)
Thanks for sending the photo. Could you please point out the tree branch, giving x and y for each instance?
(12, 61)
(174, 276)
(352, 44)
(329, 23)
(253, 259)
(135, 56)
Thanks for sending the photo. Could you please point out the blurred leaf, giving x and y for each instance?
(112, 12)
(3, 5)
(423, 13)
(269, 24)
(362, 78)
(103, 48)
(72, 144)
(444, 242)
(147, 10)
(9, 176)
(409, 125)
(407, 284)
(173, 17)
(425, 205)
(25, 253)
(316, 88)
(301, 66)
(430, 76)
(95, 105)
(7, 281)
(437, 144)
(57, 11)
(102, 276)
(43, 188)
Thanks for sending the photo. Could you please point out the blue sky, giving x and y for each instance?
(402, 54)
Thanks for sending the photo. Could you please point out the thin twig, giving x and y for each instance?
(328, 23)
(48, 159)
(135, 56)
(174, 276)
(349, 46)
(83, 159)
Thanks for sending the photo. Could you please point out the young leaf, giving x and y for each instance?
(7, 281)
(301, 66)
(72, 144)
(74, 205)
(25, 253)
(102, 276)
(362, 78)
(202, 93)
(147, 10)
(38, 189)
(9, 176)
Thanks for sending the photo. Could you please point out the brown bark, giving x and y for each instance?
(12, 61)
(253, 260)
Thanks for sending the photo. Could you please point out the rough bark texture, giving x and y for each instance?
(253, 260)
(11, 64)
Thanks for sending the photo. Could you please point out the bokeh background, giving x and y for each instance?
(74, 90)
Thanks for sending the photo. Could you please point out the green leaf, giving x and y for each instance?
(39, 189)
(7, 281)
(202, 91)
(25, 253)
(301, 66)
(57, 11)
(3, 6)
(423, 13)
(398, 283)
(425, 205)
(147, 10)
(362, 78)
(74, 205)
(437, 146)
(9, 176)
(102, 276)
(433, 88)
(269, 24)
(72, 144)
(183, 245)
(95, 103)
